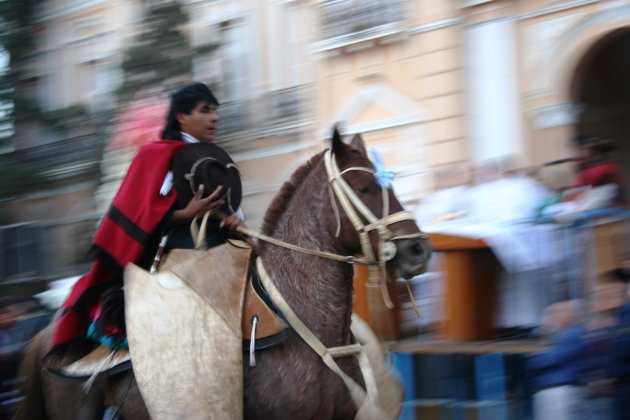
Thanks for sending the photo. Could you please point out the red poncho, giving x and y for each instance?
(123, 235)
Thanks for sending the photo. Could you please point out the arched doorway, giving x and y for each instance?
(601, 88)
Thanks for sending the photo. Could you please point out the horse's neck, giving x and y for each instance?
(319, 290)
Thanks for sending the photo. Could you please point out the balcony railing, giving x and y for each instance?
(342, 18)
(45, 250)
(263, 112)
(65, 158)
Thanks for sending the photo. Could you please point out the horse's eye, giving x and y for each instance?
(365, 190)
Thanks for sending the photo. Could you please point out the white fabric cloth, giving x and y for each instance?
(559, 403)
(188, 138)
(441, 203)
(167, 184)
(168, 179)
(519, 247)
(498, 212)
(57, 292)
(530, 255)
(511, 199)
(590, 198)
(525, 247)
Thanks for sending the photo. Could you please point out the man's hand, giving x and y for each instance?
(199, 205)
(231, 223)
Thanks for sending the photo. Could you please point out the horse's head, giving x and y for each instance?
(367, 217)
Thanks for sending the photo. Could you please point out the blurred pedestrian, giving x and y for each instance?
(6, 319)
(555, 373)
(597, 169)
(599, 341)
(620, 356)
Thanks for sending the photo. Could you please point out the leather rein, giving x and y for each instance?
(351, 203)
(366, 401)
(340, 191)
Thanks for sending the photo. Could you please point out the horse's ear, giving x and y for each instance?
(357, 143)
(336, 144)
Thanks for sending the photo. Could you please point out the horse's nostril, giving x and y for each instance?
(416, 248)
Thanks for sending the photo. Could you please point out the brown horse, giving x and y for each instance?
(289, 380)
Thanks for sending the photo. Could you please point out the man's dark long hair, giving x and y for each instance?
(598, 144)
(184, 101)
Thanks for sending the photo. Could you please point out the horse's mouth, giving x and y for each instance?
(412, 258)
(409, 271)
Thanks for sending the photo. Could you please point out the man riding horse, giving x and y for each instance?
(332, 213)
(153, 199)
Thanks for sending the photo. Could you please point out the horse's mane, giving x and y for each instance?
(281, 200)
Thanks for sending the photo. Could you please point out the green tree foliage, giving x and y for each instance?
(16, 27)
(17, 43)
(162, 55)
(18, 108)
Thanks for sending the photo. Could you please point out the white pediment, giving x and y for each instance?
(391, 123)
(377, 107)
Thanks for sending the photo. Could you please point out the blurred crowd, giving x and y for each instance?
(585, 373)
(20, 320)
(502, 191)
(585, 370)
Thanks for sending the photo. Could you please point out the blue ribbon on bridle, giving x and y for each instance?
(383, 176)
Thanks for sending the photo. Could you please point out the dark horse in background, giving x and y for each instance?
(289, 381)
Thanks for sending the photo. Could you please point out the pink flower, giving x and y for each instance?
(142, 122)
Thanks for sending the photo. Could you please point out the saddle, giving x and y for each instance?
(233, 291)
(185, 327)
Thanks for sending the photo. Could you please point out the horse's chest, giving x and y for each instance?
(296, 387)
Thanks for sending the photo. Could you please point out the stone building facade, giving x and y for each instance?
(431, 85)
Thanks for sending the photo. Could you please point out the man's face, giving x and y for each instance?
(201, 123)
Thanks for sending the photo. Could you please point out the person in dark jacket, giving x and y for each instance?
(620, 356)
(555, 373)
(596, 168)
(145, 205)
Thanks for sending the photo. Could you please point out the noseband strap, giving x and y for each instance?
(349, 202)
